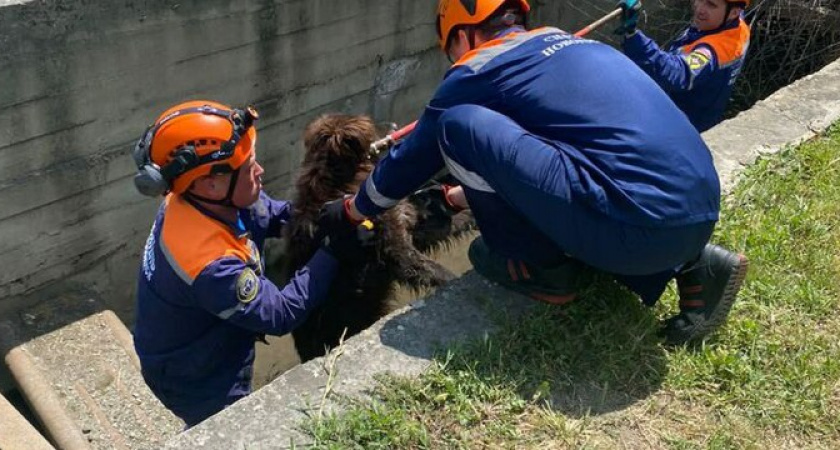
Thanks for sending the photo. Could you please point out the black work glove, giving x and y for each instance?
(344, 239)
(434, 199)
(629, 16)
(334, 216)
(347, 246)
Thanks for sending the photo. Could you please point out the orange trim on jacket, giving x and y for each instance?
(729, 45)
(191, 240)
(496, 42)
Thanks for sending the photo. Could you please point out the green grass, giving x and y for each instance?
(595, 375)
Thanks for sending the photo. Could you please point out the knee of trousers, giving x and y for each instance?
(460, 127)
(468, 136)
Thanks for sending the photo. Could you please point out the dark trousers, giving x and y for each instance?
(518, 189)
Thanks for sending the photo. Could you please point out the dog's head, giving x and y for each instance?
(337, 150)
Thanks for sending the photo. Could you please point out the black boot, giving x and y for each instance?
(556, 285)
(708, 288)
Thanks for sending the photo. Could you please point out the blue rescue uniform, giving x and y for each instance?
(564, 147)
(698, 69)
(203, 301)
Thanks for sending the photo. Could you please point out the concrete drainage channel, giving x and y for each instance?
(75, 365)
(71, 188)
(403, 342)
(82, 378)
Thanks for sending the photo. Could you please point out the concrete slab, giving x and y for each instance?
(403, 342)
(736, 143)
(17, 433)
(792, 115)
(82, 378)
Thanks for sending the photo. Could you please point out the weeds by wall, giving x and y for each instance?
(790, 39)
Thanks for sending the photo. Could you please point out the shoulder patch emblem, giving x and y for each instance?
(697, 60)
(247, 286)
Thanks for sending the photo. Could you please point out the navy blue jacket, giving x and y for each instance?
(203, 301)
(636, 157)
(698, 69)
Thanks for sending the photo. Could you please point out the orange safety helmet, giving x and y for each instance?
(454, 13)
(191, 140)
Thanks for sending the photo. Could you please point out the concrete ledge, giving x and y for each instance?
(403, 343)
(792, 115)
(17, 433)
(75, 365)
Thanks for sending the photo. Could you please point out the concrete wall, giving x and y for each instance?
(81, 79)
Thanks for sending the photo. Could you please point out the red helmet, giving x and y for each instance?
(453, 13)
(191, 140)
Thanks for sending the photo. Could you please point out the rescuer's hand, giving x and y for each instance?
(629, 16)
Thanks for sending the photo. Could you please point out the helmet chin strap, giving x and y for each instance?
(726, 18)
(227, 200)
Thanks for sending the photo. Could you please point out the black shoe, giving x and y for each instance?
(708, 288)
(555, 285)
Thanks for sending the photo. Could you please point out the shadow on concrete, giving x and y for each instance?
(597, 355)
(52, 311)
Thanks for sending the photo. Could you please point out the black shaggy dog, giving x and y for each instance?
(336, 162)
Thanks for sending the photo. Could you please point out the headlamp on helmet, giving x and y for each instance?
(191, 140)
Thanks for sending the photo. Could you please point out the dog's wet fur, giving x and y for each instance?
(336, 161)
